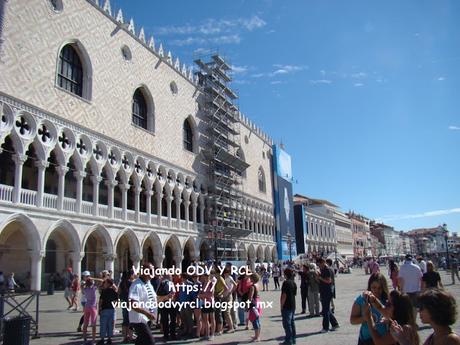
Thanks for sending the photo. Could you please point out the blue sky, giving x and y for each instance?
(364, 95)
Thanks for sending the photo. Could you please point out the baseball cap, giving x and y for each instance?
(86, 274)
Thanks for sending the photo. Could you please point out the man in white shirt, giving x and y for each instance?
(410, 278)
(143, 295)
(422, 264)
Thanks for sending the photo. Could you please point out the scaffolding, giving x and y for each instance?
(221, 151)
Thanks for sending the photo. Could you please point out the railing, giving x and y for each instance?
(131, 215)
(69, 204)
(28, 197)
(103, 210)
(164, 221)
(50, 201)
(117, 213)
(183, 224)
(6, 193)
(143, 217)
(86, 207)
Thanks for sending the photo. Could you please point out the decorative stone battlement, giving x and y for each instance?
(253, 127)
(130, 28)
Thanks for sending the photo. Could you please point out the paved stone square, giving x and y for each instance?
(58, 326)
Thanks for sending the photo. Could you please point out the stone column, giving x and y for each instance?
(136, 259)
(169, 200)
(159, 196)
(201, 211)
(76, 262)
(186, 208)
(124, 199)
(194, 206)
(79, 175)
(110, 191)
(109, 262)
(41, 165)
(137, 193)
(96, 181)
(61, 170)
(177, 202)
(36, 258)
(148, 206)
(19, 162)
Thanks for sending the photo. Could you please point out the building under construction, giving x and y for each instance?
(221, 150)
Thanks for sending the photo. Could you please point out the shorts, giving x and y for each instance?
(90, 316)
(413, 298)
(67, 293)
(207, 310)
(256, 323)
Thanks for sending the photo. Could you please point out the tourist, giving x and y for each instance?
(197, 310)
(373, 266)
(329, 265)
(90, 308)
(377, 285)
(431, 279)
(228, 298)
(11, 283)
(206, 295)
(141, 293)
(276, 276)
(393, 271)
(75, 291)
(254, 311)
(67, 282)
(244, 284)
(454, 268)
(409, 279)
(399, 309)
(304, 287)
(422, 264)
(106, 310)
(168, 314)
(287, 305)
(127, 278)
(439, 309)
(265, 279)
(219, 289)
(326, 294)
(184, 297)
(313, 291)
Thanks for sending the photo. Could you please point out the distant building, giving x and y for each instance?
(429, 240)
(391, 239)
(344, 234)
(361, 234)
(315, 226)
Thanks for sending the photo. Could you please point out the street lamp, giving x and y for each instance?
(446, 237)
(289, 241)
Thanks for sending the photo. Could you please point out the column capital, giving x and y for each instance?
(19, 158)
(124, 186)
(186, 202)
(148, 192)
(42, 164)
(110, 257)
(78, 256)
(169, 198)
(37, 255)
(138, 189)
(136, 257)
(79, 175)
(96, 179)
(61, 169)
(111, 183)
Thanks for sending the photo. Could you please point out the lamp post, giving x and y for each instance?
(446, 237)
(289, 241)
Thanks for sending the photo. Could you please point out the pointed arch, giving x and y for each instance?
(143, 108)
(261, 180)
(190, 135)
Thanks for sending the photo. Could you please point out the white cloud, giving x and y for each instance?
(275, 82)
(239, 69)
(225, 39)
(287, 69)
(257, 75)
(359, 75)
(420, 215)
(454, 128)
(213, 26)
(321, 81)
(441, 79)
(358, 84)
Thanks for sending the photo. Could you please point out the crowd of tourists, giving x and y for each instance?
(385, 317)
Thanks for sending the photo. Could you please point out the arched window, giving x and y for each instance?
(70, 71)
(188, 136)
(139, 109)
(261, 179)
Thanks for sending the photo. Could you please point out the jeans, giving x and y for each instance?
(313, 302)
(241, 312)
(304, 297)
(328, 317)
(144, 335)
(289, 325)
(168, 321)
(276, 280)
(106, 320)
